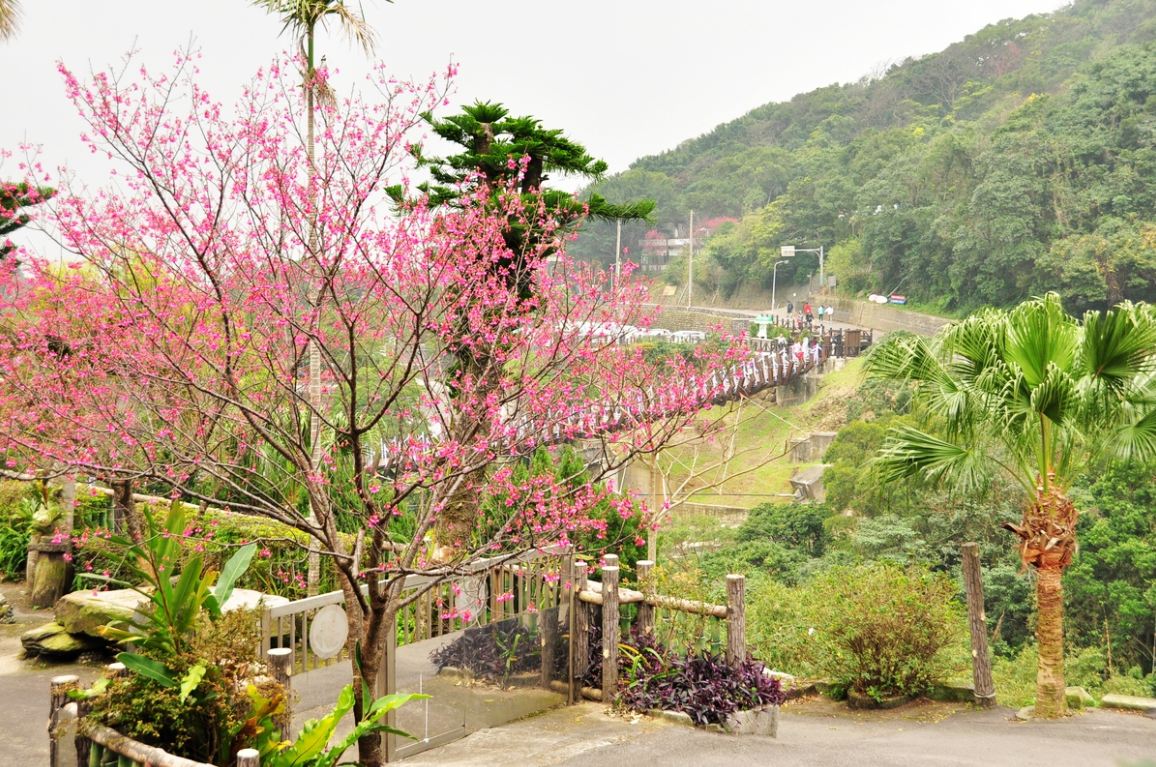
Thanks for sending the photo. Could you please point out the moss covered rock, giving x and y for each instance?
(53, 641)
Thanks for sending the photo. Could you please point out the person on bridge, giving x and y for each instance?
(790, 308)
(808, 312)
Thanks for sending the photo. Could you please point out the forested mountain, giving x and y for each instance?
(1020, 160)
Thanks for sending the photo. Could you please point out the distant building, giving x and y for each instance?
(659, 249)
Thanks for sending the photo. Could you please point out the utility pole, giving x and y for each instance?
(618, 256)
(690, 264)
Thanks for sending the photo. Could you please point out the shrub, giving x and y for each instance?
(881, 628)
(764, 556)
(799, 526)
(17, 503)
(780, 626)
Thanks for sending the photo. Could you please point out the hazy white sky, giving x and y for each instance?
(626, 77)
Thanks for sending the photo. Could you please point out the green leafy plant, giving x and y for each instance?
(162, 629)
(881, 629)
(15, 531)
(312, 749)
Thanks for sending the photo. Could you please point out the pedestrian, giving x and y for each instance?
(790, 308)
(808, 312)
(830, 313)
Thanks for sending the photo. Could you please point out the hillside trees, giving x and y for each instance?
(174, 346)
(1017, 161)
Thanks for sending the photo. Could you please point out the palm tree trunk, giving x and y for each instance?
(1050, 698)
(313, 576)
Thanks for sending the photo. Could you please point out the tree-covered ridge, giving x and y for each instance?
(1016, 161)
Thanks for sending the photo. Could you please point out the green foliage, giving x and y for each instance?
(1087, 667)
(17, 504)
(795, 525)
(162, 628)
(312, 749)
(13, 199)
(1110, 589)
(202, 704)
(1017, 161)
(882, 629)
(278, 568)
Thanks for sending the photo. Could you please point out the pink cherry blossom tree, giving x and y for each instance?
(172, 344)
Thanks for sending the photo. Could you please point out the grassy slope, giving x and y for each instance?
(760, 467)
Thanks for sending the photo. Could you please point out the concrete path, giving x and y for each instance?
(812, 733)
(24, 687)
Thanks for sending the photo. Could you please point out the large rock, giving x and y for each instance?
(53, 641)
(1078, 697)
(758, 721)
(1128, 702)
(6, 614)
(83, 612)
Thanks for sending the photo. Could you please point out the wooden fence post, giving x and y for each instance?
(579, 632)
(548, 619)
(736, 619)
(610, 631)
(387, 685)
(280, 660)
(59, 688)
(570, 597)
(977, 622)
(248, 757)
(645, 620)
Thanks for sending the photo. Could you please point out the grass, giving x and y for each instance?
(757, 437)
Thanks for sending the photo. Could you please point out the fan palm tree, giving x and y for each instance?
(1036, 395)
(9, 18)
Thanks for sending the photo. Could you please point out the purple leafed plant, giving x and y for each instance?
(702, 685)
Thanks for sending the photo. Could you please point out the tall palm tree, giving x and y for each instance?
(301, 18)
(9, 18)
(1037, 395)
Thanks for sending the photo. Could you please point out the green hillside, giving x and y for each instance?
(1019, 160)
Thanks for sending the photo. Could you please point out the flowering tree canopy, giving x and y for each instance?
(171, 345)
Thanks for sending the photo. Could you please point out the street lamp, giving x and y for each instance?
(787, 251)
(774, 282)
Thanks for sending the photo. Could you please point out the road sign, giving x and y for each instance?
(787, 251)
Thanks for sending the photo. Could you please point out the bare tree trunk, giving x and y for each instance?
(1050, 698)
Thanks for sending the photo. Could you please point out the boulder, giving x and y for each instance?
(1026, 714)
(53, 641)
(83, 612)
(6, 614)
(756, 721)
(1128, 702)
(1078, 697)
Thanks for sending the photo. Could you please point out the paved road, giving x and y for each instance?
(936, 735)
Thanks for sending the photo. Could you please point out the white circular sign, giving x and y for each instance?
(328, 631)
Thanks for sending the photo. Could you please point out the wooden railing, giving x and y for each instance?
(610, 597)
